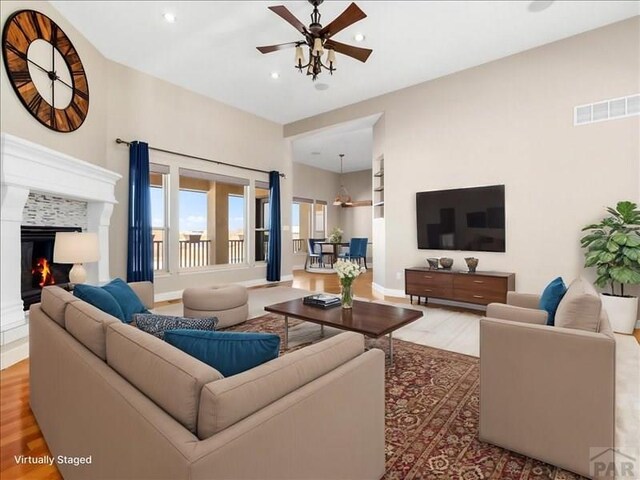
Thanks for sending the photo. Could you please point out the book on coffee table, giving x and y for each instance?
(321, 300)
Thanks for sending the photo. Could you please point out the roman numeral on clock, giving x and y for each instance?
(21, 76)
(35, 102)
(13, 49)
(81, 94)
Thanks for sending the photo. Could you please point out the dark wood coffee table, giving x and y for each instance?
(371, 319)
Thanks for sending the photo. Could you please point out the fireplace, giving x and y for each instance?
(37, 267)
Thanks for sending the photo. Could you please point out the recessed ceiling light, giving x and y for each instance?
(275, 75)
(539, 5)
(169, 17)
(358, 37)
(321, 86)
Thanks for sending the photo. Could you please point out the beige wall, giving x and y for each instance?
(357, 221)
(378, 234)
(510, 122)
(128, 104)
(317, 184)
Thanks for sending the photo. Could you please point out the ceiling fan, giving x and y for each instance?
(318, 39)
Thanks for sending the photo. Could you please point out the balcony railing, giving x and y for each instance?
(299, 245)
(236, 251)
(197, 253)
(158, 255)
(194, 253)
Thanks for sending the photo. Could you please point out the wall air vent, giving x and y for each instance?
(607, 110)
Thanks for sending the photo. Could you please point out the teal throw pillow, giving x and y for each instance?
(228, 352)
(126, 298)
(100, 299)
(551, 297)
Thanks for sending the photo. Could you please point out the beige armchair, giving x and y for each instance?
(546, 391)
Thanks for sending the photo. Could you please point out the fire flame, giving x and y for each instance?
(43, 269)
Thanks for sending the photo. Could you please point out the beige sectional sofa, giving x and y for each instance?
(142, 409)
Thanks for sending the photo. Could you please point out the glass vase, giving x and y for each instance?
(346, 295)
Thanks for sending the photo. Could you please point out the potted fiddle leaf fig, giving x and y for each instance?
(613, 248)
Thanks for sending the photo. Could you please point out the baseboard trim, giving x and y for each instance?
(391, 292)
(177, 294)
(388, 292)
(451, 303)
(13, 353)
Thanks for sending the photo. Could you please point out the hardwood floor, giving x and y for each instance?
(19, 432)
(363, 285)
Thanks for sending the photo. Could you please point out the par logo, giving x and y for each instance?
(620, 463)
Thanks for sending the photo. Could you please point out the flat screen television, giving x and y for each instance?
(462, 219)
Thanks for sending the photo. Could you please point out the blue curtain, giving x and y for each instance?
(139, 254)
(275, 247)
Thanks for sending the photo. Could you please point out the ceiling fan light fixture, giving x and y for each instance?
(300, 61)
(318, 49)
(318, 38)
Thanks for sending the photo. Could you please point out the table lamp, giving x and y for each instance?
(76, 248)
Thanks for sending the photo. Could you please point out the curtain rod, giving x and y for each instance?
(119, 141)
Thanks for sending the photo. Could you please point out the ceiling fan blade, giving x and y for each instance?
(274, 48)
(358, 53)
(284, 12)
(350, 16)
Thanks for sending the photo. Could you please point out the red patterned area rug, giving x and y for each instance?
(432, 414)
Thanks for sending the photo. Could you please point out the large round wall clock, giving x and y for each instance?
(45, 70)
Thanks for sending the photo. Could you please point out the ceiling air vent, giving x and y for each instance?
(607, 110)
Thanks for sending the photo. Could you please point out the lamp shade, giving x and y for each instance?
(76, 247)
(318, 49)
(299, 56)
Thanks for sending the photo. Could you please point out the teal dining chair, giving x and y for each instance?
(357, 251)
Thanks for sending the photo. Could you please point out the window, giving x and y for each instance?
(212, 219)
(236, 228)
(159, 179)
(301, 223)
(261, 240)
(320, 219)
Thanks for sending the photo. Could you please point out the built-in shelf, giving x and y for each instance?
(378, 187)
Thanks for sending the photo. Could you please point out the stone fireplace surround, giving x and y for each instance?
(28, 167)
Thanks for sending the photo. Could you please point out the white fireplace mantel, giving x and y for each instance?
(28, 167)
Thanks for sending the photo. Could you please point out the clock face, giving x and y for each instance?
(45, 70)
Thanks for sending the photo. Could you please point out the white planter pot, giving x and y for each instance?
(622, 311)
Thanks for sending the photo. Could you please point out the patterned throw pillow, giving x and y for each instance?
(158, 324)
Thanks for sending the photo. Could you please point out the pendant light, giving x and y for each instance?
(343, 199)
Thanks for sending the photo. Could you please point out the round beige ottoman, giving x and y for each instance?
(227, 302)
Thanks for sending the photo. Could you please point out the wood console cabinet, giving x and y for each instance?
(481, 288)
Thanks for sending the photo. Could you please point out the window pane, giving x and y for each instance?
(295, 221)
(158, 219)
(320, 220)
(236, 228)
(261, 239)
(157, 207)
(212, 223)
(300, 225)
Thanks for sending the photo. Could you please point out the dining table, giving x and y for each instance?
(335, 248)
